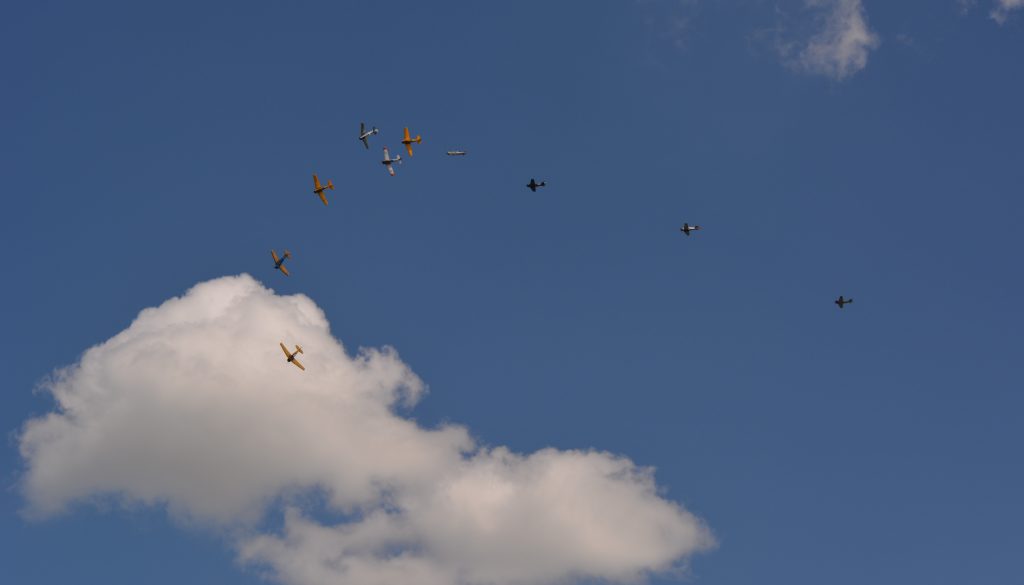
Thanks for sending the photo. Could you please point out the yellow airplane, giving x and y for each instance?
(407, 141)
(279, 262)
(291, 356)
(319, 189)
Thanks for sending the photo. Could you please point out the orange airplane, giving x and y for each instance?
(279, 262)
(319, 189)
(291, 356)
(407, 141)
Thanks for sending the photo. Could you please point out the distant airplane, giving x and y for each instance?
(279, 262)
(841, 301)
(533, 184)
(407, 141)
(456, 153)
(388, 161)
(319, 189)
(687, 228)
(365, 134)
(291, 356)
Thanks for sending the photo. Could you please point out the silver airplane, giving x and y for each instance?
(365, 134)
(389, 162)
(687, 228)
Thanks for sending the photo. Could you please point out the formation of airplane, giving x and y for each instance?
(408, 142)
(291, 356)
(319, 189)
(365, 134)
(389, 162)
(687, 228)
(279, 262)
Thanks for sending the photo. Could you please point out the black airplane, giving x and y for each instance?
(841, 301)
(687, 228)
(534, 184)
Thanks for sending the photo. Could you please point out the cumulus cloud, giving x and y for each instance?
(192, 407)
(1003, 8)
(841, 45)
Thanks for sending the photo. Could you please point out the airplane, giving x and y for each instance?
(533, 184)
(319, 189)
(456, 153)
(407, 141)
(687, 228)
(279, 262)
(388, 161)
(365, 134)
(291, 356)
(841, 301)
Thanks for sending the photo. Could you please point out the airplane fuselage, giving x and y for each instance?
(366, 135)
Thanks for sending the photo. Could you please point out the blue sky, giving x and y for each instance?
(147, 149)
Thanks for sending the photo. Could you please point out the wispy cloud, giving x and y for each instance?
(840, 45)
(1003, 8)
(193, 408)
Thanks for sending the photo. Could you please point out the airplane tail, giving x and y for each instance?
(418, 140)
(287, 254)
(330, 185)
(298, 348)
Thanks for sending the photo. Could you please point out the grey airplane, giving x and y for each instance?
(841, 301)
(533, 184)
(389, 162)
(365, 134)
(456, 153)
(687, 228)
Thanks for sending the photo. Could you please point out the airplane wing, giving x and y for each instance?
(391, 170)
(407, 139)
(323, 197)
(387, 155)
(285, 350)
(316, 182)
(274, 254)
(283, 269)
(366, 142)
(408, 147)
(298, 365)
(362, 128)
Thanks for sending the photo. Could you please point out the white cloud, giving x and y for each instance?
(193, 407)
(1003, 8)
(841, 45)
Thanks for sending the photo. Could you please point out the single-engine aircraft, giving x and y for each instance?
(389, 162)
(365, 134)
(456, 153)
(279, 262)
(533, 184)
(319, 189)
(407, 141)
(291, 356)
(841, 301)
(687, 228)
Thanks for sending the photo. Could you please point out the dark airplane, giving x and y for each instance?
(841, 301)
(687, 228)
(533, 184)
